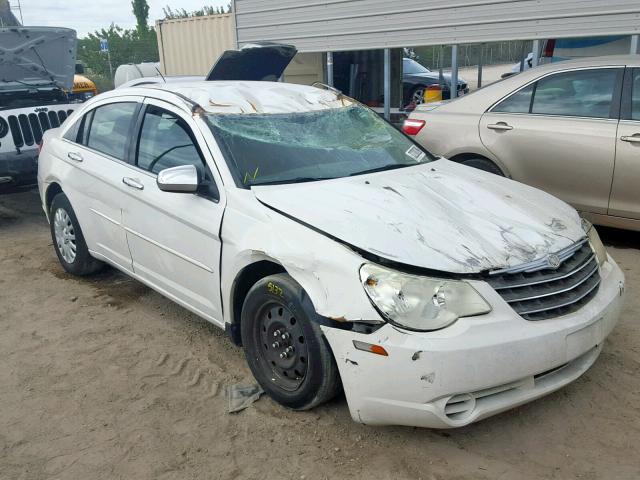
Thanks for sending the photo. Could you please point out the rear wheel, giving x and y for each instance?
(284, 347)
(483, 164)
(68, 240)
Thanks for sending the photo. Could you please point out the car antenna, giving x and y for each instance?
(162, 76)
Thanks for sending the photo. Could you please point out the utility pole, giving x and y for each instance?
(19, 9)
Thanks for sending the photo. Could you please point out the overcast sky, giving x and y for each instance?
(89, 15)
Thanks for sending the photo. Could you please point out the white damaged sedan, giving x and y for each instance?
(334, 249)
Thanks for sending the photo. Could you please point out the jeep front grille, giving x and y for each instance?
(538, 292)
(28, 129)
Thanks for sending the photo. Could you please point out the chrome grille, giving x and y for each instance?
(28, 129)
(537, 292)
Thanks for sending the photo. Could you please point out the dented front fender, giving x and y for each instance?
(327, 270)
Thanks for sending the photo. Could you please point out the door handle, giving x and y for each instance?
(133, 183)
(631, 139)
(500, 126)
(76, 157)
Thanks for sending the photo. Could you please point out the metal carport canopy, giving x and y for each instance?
(338, 25)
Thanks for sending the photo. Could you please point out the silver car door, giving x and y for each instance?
(558, 135)
(625, 201)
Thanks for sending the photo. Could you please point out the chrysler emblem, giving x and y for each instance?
(553, 261)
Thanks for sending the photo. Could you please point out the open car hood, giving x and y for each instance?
(37, 56)
(441, 216)
(256, 61)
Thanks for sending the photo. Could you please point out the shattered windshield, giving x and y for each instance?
(297, 147)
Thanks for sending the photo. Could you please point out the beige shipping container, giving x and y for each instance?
(190, 46)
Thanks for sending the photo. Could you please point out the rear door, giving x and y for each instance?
(559, 134)
(174, 237)
(99, 150)
(625, 200)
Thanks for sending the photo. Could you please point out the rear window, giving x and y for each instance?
(290, 148)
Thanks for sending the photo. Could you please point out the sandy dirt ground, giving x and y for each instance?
(102, 378)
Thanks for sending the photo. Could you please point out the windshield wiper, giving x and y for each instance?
(292, 180)
(382, 169)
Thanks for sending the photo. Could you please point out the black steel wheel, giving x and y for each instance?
(285, 350)
(284, 346)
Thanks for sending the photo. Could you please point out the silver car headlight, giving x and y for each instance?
(594, 241)
(420, 303)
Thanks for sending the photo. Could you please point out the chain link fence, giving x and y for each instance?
(494, 53)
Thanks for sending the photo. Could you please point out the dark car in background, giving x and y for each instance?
(416, 78)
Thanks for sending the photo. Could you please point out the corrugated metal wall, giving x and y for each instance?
(190, 46)
(330, 25)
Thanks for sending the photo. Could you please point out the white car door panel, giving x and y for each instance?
(103, 208)
(95, 188)
(173, 237)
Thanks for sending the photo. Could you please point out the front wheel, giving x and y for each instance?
(284, 347)
(68, 240)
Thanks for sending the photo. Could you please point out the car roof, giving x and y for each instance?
(480, 100)
(631, 60)
(240, 97)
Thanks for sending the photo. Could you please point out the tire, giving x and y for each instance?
(416, 94)
(483, 164)
(68, 240)
(278, 314)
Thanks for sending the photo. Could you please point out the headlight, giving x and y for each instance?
(594, 240)
(420, 303)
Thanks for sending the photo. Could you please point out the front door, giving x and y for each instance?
(559, 134)
(625, 200)
(174, 237)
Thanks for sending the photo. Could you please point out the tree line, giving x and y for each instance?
(135, 45)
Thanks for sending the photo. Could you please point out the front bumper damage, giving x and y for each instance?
(475, 368)
(19, 168)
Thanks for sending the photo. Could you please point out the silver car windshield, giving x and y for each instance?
(268, 149)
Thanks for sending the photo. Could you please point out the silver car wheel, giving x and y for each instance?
(418, 97)
(65, 235)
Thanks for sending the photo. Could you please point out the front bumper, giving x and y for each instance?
(478, 366)
(19, 168)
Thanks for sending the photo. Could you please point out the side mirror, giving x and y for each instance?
(182, 179)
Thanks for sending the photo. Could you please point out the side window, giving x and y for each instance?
(519, 102)
(72, 133)
(635, 94)
(583, 93)
(166, 141)
(109, 128)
